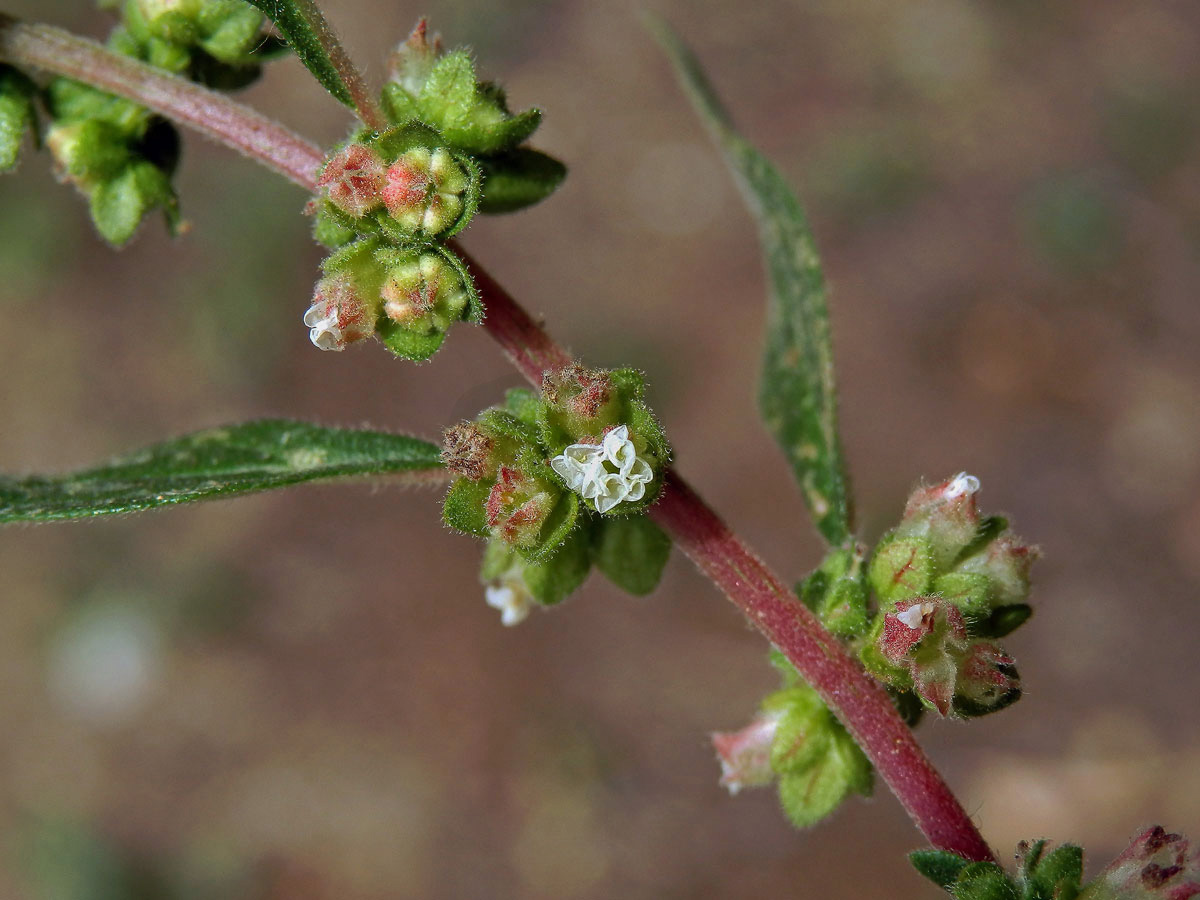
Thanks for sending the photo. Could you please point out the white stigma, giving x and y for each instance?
(960, 485)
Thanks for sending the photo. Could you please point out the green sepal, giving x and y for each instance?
(1050, 876)
(812, 793)
(1004, 620)
(408, 344)
(118, 204)
(558, 527)
(330, 227)
(554, 579)
(465, 507)
(502, 423)
(472, 115)
(631, 552)
(843, 610)
(517, 179)
(984, 881)
(940, 866)
(803, 735)
(630, 382)
(17, 115)
(989, 529)
(232, 30)
(812, 589)
(524, 404)
(475, 310)
(969, 591)
(901, 568)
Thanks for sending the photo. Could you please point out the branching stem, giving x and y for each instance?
(858, 701)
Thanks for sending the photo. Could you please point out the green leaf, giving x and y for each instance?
(901, 568)
(464, 509)
(408, 344)
(796, 394)
(553, 580)
(809, 796)
(983, 881)
(16, 114)
(631, 552)
(939, 866)
(306, 31)
(211, 464)
(517, 179)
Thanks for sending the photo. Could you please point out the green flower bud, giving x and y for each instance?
(901, 568)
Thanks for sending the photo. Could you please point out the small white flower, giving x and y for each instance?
(961, 484)
(588, 469)
(915, 615)
(511, 596)
(323, 328)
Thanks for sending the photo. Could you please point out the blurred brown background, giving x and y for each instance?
(303, 695)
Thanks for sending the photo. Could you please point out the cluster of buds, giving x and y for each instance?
(119, 154)
(548, 521)
(425, 191)
(796, 743)
(388, 202)
(927, 640)
(948, 581)
(229, 32)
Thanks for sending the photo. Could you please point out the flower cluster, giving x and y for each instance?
(607, 473)
(398, 195)
(119, 154)
(795, 742)
(550, 504)
(949, 581)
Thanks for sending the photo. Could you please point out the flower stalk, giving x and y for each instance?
(855, 698)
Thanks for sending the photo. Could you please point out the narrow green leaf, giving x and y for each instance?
(464, 507)
(218, 462)
(308, 36)
(796, 395)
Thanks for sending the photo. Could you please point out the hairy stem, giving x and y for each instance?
(364, 101)
(856, 698)
(858, 701)
(213, 115)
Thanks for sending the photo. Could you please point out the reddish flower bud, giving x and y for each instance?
(945, 515)
(928, 636)
(424, 293)
(423, 190)
(353, 179)
(413, 60)
(469, 452)
(745, 755)
(339, 314)
(517, 507)
(1158, 865)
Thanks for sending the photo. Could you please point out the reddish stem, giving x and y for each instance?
(210, 113)
(858, 701)
(856, 698)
